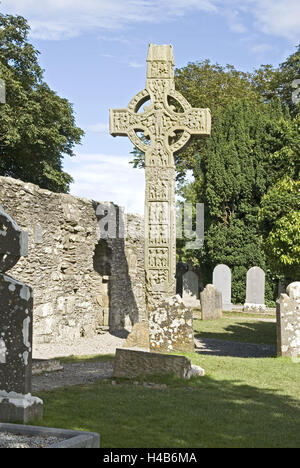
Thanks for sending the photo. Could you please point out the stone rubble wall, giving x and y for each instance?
(73, 297)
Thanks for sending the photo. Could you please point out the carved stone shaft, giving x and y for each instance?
(168, 128)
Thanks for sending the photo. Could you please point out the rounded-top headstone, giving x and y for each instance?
(255, 289)
(222, 281)
(293, 290)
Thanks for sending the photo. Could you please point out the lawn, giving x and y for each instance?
(245, 330)
(241, 402)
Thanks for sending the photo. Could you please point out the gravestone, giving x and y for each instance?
(255, 290)
(288, 322)
(181, 268)
(168, 130)
(190, 295)
(211, 303)
(16, 304)
(222, 281)
(131, 363)
(171, 326)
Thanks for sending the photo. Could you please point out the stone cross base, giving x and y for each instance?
(171, 326)
(18, 408)
(254, 308)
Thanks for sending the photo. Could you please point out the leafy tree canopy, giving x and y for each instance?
(37, 126)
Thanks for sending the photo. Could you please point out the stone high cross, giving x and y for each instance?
(159, 122)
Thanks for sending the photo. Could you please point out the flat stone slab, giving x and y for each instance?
(39, 366)
(58, 438)
(130, 363)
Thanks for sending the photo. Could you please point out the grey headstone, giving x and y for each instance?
(255, 290)
(211, 303)
(222, 281)
(190, 293)
(16, 306)
(288, 322)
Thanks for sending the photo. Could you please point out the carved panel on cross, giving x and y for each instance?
(158, 258)
(159, 234)
(157, 280)
(158, 213)
(158, 190)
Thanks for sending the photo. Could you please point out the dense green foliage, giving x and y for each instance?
(247, 173)
(37, 126)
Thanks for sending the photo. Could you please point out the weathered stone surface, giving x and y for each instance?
(159, 121)
(255, 290)
(83, 281)
(222, 281)
(211, 303)
(130, 363)
(16, 332)
(190, 294)
(139, 336)
(16, 304)
(288, 322)
(13, 242)
(293, 290)
(64, 438)
(196, 371)
(171, 326)
(19, 408)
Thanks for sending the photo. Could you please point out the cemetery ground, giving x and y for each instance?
(241, 402)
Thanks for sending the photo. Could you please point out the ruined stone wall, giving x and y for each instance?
(83, 281)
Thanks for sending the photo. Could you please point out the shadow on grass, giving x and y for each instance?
(214, 347)
(202, 413)
(245, 332)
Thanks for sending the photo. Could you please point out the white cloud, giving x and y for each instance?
(136, 65)
(279, 18)
(61, 19)
(261, 48)
(99, 127)
(273, 17)
(104, 177)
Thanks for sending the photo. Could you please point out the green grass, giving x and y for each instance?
(249, 315)
(237, 329)
(90, 358)
(241, 402)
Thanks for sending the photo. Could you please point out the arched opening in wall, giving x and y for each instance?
(102, 262)
(102, 258)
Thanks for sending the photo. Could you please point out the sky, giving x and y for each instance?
(94, 54)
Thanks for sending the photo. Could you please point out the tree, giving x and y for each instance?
(279, 212)
(37, 126)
